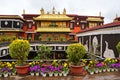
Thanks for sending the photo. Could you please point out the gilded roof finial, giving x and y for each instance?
(42, 11)
(116, 15)
(48, 13)
(64, 11)
(58, 12)
(53, 11)
(23, 11)
(100, 14)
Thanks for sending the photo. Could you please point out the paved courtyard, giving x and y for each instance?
(100, 76)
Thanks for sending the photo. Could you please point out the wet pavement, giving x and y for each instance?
(100, 76)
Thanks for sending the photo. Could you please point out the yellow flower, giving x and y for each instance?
(115, 60)
(41, 61)
(30, 63)
(54, 60)
(91, 62)
(65, 64)
(84, 61)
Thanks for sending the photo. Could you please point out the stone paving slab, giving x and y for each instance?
(100, 76)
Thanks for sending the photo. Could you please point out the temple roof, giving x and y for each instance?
(113, 24)
(91, 18)
(53, 17)
(11, 17)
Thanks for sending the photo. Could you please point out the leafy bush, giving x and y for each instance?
(19, 49)
(75, 52)
(43, 52)
(118, 47)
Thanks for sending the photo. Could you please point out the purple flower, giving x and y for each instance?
(6, 69)
(116, 65)
(113, 65)
(99, 65)
(60, 67)
(50, 68)
(43, 70)
(35, 68)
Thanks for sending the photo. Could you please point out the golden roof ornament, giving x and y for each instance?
(116, 15)
(64, 11)
(42, 11)
(53, 16)
(48, 13)
(53, 11)
(100, 14)
(23, 11)
(58, 12)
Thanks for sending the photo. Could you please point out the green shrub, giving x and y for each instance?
(40, 38)
(75, 52)
(19, 50)
(118, 47)
(43, 52)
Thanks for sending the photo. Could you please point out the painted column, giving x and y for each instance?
(90, 44)
(0, 23)
(12, 24)
(33, 36)
(82, 39)
(101, 38)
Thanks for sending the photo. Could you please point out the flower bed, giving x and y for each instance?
(55, 69)
(58, 68)
(107, 65)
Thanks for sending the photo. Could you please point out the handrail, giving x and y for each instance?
(95, 55)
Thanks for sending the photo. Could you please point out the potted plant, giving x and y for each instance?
(40, 38)
(49, 38)
(19, 50)
(43, 53)
(118, 49)
(29, 38)
(75, 52)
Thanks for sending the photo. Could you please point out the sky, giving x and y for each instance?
(108, 8)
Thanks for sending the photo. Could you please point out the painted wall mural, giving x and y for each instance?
(95, 44)
(86, 45)
(106, 47)
(86, 42)
(110, 41)
(108, 53)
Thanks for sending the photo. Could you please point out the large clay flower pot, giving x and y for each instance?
(77, 70)
(21, 70)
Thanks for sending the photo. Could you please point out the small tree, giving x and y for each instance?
(29, 38)
(13, 37)
(19, 49)
(43, 52)
(62, 38)
(118, 48)
(40, 38)
(49, 38)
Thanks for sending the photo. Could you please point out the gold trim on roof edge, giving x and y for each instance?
(94, 19)
(50, 17)
(53, 30)
(11, 17)
(11, 30)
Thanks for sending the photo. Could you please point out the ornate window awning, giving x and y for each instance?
(94, 19)
(53, 30)
(11, 30)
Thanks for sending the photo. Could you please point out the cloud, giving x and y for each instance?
(108, 8)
